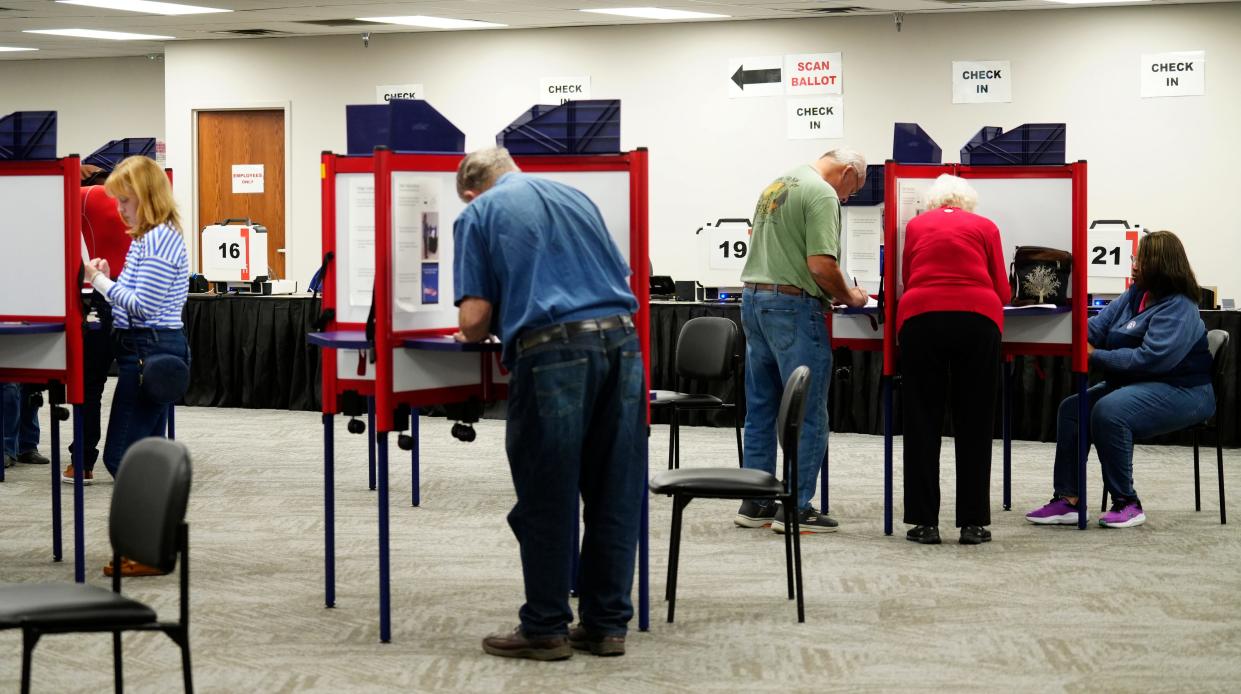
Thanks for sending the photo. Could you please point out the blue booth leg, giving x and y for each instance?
(385, 611)
(329, 512)
(370, 440)
(57, 549)
(416, 494)
(79, 541)
(1083, 448)
(887, 455)
(1006, 426)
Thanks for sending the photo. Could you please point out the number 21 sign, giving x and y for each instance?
(1109, 253)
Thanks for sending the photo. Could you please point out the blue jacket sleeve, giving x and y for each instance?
(1169, 337)
(1096, 327)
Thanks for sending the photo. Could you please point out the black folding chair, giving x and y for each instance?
(684, 485)
(146, 524)
(706, 350)
(1217, 343)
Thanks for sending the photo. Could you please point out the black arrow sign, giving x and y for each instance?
(742, 76)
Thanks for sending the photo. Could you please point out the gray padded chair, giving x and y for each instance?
(685, 485)
(1217, 343)
(706, 350)
(146, 523)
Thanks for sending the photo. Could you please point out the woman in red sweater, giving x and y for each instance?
(949, 320)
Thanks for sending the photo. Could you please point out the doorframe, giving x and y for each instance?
(286, 107)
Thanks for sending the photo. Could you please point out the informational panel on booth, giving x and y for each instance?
(359, 208)
(862, 240)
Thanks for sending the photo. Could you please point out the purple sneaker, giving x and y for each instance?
(1055, 512)
(1125, 513)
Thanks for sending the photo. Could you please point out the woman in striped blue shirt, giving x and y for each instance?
(147, 299)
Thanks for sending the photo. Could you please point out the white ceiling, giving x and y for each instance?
(289, 17)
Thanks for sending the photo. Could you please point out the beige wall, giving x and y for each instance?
(96, 100)
(1164, 163)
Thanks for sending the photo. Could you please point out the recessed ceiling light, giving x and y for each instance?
(97, 34)
(15, 49)
(657, 13)
(145, 6)
(433, 22)
(1094, 2)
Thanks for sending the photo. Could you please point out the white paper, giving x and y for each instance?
(1181, 73)
(557, 90)
(816, 118)
(1019, 309)
(361, 240)
(982, 81)
(755, 76)
(812, 73)
(415, 212)
(247, 179)
(863, 238)
(910, 203)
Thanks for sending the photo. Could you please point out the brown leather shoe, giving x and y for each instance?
(517, 645)
(130, 568)
(605, 645)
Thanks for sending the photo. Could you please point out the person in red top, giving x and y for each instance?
(105, 235)
(949, 321)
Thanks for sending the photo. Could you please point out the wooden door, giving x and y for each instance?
(227, 139)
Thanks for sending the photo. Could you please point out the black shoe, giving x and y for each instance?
(517, 645)
(923, 534)
(808, 521)
(9, 461)
(582, 639)
(974, 535)
(751, 515)
(32, 457)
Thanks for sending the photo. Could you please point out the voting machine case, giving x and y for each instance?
(42, 247)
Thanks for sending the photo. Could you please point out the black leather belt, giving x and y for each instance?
(791, 290)
(563, 331)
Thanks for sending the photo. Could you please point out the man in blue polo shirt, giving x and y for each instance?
(535, 264)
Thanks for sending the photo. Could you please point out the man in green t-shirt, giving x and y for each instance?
(791, 272)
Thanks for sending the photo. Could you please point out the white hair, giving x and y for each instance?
(480, 169)
(851, 158)
(951, 191)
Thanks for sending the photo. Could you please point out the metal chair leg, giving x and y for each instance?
(1219, 463)
(788, 543)
(737, 426)
(30, 638)
(801, 603)
(118, 678)
(187, 673)
(674, 552)
(1197, 487)
(672, 436)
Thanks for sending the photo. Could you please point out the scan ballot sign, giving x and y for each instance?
(812, 73)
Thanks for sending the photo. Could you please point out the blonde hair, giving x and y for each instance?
(951, 191)
(140, 177)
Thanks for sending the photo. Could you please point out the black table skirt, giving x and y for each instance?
(252, 352)
(856, 404)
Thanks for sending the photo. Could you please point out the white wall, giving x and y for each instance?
(1163, 163)
(96, 100)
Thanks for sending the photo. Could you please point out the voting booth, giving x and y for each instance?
(40, 308)
(1033, 205)
(388, 305)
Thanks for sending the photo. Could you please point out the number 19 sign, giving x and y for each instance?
(728, 246)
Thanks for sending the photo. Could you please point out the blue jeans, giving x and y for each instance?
(783, 332)
(134, 416)
(97, 361)
(1118, 415)
(576, 425)
(18, 420)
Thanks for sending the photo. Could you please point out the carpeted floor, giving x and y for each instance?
(1153, 609)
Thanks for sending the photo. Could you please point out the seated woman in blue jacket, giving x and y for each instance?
(1151, 347)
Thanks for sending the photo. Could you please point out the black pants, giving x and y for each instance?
(954, 354)
(98, 358)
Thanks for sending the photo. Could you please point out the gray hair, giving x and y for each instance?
(951, 191)
(480, 169)
(851, 158)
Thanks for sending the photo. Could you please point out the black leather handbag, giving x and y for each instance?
(1040, 275)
